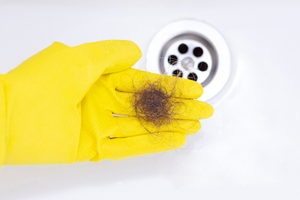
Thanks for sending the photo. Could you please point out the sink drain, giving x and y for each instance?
(191, 56)
(193, 50)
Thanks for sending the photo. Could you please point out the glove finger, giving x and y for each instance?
(132, 80)
(184, 109)
(95, 59)
(111, 55)
(131, 126)
(121, 148)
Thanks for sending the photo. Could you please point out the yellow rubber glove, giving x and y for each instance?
(58, 106)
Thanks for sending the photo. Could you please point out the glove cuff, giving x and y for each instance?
(3, 132)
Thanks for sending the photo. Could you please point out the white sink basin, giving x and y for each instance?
(249, 149)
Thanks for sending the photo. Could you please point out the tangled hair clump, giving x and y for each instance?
(154, 103)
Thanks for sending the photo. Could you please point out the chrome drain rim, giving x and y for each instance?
(194, 34)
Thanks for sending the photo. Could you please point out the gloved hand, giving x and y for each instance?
(57, 107)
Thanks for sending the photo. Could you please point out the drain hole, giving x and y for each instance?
(198, 52)
(202, 66)
(177, 73)
(183, 48)
(192, 76)
(172, 59)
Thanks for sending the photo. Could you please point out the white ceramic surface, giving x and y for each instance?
(249, 149)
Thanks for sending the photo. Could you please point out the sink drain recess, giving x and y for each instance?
(193, 50)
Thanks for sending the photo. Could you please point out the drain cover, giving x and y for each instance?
(193, 50)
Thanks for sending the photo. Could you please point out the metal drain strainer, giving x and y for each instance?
(193, 50)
